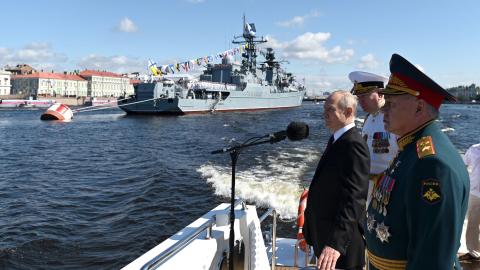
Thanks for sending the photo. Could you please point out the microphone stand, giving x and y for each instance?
(234, 152)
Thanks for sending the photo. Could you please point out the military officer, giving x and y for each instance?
(415, 218)
(381, 143)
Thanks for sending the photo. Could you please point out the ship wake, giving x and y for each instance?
(275, 181)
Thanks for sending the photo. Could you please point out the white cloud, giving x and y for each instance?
(39, 55)
(322, 84)
(117, 63)
(272, 43)
(295, 21)
(195, 1)
(298, 21)
(368, 61)
(327, 82)
(310, 46)
(127, 25)
(4, 52)
(318, 84)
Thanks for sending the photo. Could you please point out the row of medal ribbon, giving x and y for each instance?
(381, 193)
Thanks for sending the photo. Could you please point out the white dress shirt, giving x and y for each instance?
(341, 131)
(472, 160)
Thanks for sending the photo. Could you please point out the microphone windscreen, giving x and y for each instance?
(297, 131)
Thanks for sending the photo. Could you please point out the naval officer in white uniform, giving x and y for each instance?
(381, 144)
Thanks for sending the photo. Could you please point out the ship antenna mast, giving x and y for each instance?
(250, 41)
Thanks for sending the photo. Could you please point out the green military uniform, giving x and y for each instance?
(416, 215)
(418, 206)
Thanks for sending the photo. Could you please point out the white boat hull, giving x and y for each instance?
(205, 252)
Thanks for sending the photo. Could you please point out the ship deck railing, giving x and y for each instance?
(207, 226)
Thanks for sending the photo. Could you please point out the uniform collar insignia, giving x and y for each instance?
(404, 141)
(409, 137)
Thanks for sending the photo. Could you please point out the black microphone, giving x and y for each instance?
(277, 136)
(296, 131)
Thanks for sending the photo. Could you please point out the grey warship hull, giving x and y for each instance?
(246, 100)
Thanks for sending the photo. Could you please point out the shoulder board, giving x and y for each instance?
(425, 147)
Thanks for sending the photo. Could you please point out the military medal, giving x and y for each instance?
(380, 142)
(370, 223)
(383, 209)
(382, 232)
(376, 193)
(383, 193)
(387, 197)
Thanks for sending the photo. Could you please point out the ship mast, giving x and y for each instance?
(249, 40)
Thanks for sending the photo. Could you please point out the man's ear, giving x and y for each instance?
(420, 106)
(348, 112)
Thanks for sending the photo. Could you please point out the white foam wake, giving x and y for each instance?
(275, 182)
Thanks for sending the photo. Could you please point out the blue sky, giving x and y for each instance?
(322, 40)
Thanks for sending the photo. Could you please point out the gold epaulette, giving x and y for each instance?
(425, 147)
(385, 264)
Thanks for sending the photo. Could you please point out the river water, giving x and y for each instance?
(99, 191)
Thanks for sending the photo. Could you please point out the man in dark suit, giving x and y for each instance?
(335, 211)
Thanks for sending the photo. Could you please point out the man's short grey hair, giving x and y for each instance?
(347, 100)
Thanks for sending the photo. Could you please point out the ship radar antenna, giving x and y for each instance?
(249, 41)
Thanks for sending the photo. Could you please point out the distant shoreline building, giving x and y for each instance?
(80, 84)
(107, 84)
(465, 92)
(49, 85)
(5, 86)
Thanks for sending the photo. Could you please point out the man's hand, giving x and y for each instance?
(328, 258)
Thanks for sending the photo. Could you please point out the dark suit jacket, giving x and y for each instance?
(335, 212)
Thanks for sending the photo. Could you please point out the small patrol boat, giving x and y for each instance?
(26, 103)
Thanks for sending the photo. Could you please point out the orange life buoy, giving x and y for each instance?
(301, 219)
(57, 111)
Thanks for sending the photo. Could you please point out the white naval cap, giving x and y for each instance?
(364, 82)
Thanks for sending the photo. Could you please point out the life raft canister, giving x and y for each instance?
(301, 219)
(57, 111)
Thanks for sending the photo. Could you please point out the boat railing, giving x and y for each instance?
(161, 258)
(178, 246)
(272, 212)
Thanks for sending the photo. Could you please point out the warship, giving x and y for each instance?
(228, 86)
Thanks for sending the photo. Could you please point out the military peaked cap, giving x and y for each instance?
(405, 78)
(365, 82)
